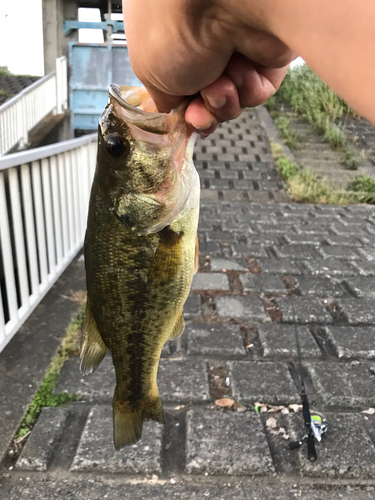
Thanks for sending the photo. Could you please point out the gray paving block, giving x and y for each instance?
(237, 306)
(98, 386)
(178, 380)
(346, 452)
(262, 283)
(351, 342)
(358, 311)
(210, 281)
(343, 385)
(248, 249)
(279, 340)
(193, 306)
(303, 310)
(362, 286)
(264, 382)
(39, 449)
(320, 287)
(226, 443)
(218, 264)
(280, 266)
(215, 340)
(183, 380)
(340, 251)
(298, 251)
(331, 267)
(96, 452)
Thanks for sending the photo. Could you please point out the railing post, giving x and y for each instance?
(61, 85)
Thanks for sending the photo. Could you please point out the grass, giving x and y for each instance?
(291, 138)
(312, 99)
(44, 396)
(305, 187)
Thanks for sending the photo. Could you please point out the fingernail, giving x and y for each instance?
(217, 102)
(236, 78)
(202, 129)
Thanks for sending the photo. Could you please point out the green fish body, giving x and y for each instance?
(140, 251)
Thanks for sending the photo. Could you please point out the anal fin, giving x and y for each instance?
(196, 256)
(93, 349)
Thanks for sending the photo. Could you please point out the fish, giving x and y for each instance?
(141, 250)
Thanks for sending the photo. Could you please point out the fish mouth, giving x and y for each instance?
(139, 108)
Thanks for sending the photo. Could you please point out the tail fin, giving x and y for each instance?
(128, 424)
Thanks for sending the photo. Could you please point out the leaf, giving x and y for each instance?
(370, 411)
(295, 408)
(224, 403)
(271, 423)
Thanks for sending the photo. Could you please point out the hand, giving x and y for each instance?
(202, 48)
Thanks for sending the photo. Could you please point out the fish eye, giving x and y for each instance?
(116, 145)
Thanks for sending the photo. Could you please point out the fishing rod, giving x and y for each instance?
(315, 423)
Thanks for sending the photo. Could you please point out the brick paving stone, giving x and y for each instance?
(340, 251)
(236, 306)
(321, 287)
(343, 385)
(265, 382)
(210, 281)
(226, 443)
(304, 239)
(213, 340)
(364, 268)
(210, 247)
(352, 342)
(248, 250)
(297, 251)
(218, 264)
(358, 311)
(338, 240)
(262, 283)
(279, 340)
(362, 286)
(180, 380)
(280, 266)
(303, 310)
(332, 267)
(193, 306)
(183, 380)
(38, 451)
(346, 452)
(96, 452)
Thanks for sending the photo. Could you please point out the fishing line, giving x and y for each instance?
(315, 424)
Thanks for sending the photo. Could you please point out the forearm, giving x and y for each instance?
(335, 37)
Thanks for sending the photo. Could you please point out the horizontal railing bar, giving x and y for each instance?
(25, 91)
(29, 155)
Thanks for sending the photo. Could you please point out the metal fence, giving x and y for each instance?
(44, 194)
(20, 114)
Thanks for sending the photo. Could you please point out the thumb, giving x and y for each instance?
(164, 102)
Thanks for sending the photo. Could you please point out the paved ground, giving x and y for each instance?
(265, 269)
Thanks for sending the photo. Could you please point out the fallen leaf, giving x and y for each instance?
(295, 408)
(177, 407)
(285, 411)
(240, 408)
(370, 411)
(224, 403)
(271, 423)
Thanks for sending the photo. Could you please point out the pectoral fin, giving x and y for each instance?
(93, 349)
(167, 257)
(196, 258)
(178, 327)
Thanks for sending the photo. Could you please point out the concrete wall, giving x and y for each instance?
(55, 12)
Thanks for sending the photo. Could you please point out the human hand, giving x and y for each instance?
(204, 49)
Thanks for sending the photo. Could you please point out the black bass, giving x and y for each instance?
(141, 250)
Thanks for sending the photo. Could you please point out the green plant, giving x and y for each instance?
(290, 136)
(350, 160)
(44, 396)
(4, 71)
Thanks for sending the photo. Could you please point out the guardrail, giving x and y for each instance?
(20, 114)
(44, 194)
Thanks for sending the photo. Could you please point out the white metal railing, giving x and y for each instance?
(44, 194)
(20, 114)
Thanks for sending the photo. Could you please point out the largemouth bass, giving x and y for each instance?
(141, 250)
